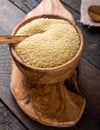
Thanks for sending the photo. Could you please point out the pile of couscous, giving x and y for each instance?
(53, 42)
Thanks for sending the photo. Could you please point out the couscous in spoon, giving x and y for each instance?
(10, 39)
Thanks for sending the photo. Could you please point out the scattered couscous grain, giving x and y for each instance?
(53, 42)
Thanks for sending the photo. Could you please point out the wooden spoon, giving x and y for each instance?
(94, 12)
(47, 7)
(10, 39)
(54, 7)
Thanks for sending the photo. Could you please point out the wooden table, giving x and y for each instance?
(11, 117)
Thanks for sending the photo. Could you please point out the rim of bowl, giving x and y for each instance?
(18, 59)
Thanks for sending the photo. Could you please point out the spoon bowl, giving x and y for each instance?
(94, 12)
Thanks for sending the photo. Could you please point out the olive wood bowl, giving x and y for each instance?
(49, 101)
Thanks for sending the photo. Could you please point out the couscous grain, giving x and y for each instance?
(53, 42)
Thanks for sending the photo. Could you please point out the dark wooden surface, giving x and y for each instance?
(11, 117)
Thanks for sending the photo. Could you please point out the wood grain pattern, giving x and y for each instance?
(51, 7)
(90, 119)
(47, 79)
(88, 75)
(45, 103)
(10, 16)
(9, 39)
(7, 119)
(91, 52)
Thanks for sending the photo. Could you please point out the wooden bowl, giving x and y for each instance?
(41, 92)
(48, 75)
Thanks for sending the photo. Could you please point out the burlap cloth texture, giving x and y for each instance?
(85, 19)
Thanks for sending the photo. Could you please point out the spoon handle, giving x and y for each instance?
(9, 39)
